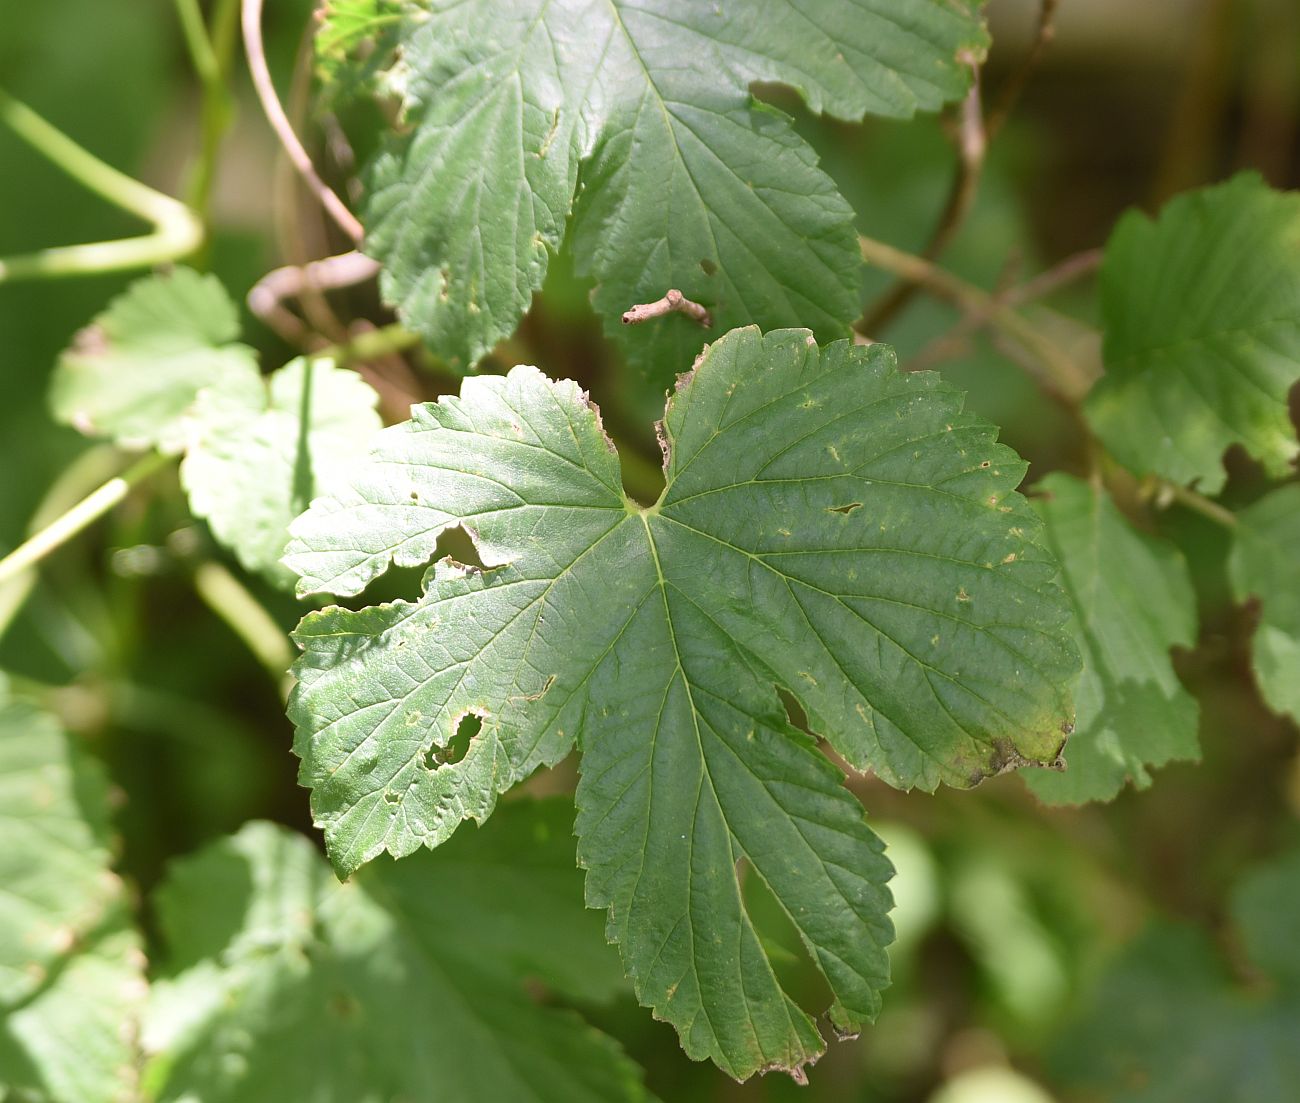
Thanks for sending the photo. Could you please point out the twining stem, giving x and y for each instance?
(85, 512)
(211, 53)
(972, 143)
(266, 94)
(267, 296)
(177, 230)
(1015, 85)
(1062, 375)
(230, 599)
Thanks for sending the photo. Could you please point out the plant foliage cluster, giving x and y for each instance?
(830, 569)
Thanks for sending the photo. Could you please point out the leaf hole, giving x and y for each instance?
(847, 508)
(708, 267)
(457, 543)
(467, 727)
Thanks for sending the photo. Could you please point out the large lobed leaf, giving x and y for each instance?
(637, 120)
(1133, 601)
(1265, 564)
(404, 984)
(830, 526)
(1202, 333)
(71, 970)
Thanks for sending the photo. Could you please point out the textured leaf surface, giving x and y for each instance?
(638, 119)
(71, 971)
(133, 375)
(260, 452)
(287, 985)
(1202, 314)
(1265, 564)
(830, 526)
(1167, 1024)
(1133, 601)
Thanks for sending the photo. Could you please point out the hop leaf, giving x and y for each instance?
(1263, 564)
(1202, 333)
(830, 526)
(639, 122)
(1133, 601)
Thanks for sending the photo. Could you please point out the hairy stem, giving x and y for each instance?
(63, 528)
(177, 230)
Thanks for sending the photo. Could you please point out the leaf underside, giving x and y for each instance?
(1133, 601)
(1202, 333)
(636, 121)
(830, 526)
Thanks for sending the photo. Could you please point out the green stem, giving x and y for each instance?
(85, 512)
(177, 230)
(370, 344)
(1199, 503)
(211, 54)
(230, 599)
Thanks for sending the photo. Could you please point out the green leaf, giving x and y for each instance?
(1266, 910)
(1166, 1024)
(133, 375)
(1264, 564)
(1133, 601)
(353, 42)
(258, 454)
(1202, 333)
(638, 121)
(830, 526)
(287, 985)
(71, 971)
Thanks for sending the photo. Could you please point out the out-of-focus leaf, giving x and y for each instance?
(1132, 601)
(1167, 1025)
(71, 970)
(1202, 338)
(287, 985)
(260, 452)
(1265, 564)
(133, 375)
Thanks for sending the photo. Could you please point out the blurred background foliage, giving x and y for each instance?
(1017, 975)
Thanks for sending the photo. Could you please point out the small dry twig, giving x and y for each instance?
(673, 302)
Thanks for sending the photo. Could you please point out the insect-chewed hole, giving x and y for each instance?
(707, 266)
(849, 507)
(467, 728)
